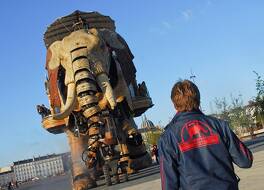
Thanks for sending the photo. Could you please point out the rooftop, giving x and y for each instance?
(35, 159)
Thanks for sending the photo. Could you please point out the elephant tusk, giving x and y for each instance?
(105, 86)
(70, 103)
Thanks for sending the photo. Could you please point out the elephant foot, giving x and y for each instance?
(140, 162)
(130, 171)
(84, 184)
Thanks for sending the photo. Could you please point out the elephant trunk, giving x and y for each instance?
(86, 89)
(70, 103)
(85, 83)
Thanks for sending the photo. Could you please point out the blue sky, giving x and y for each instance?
(221, 42)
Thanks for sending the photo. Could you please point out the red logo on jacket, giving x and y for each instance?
(196, 134)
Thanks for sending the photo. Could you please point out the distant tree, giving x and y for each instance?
(153, 137)
(259, 84)
(235, 113)
(239, 115)
(259, 99)
(222, 108)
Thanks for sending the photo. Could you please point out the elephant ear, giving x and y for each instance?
(123, 53)
(52, 66)
(111, 38)
(53, 56)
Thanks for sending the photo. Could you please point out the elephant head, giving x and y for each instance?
(85, 57)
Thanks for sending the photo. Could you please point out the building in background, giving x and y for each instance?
(150, 132)
(24, 170)
(6, 176)
(39, 167)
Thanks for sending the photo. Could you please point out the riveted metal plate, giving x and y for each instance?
(85, 74)
(85, 86)
(91, 111)
(81, 64)
(87, 100)
(79, 52)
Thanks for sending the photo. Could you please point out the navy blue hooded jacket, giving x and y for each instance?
(197, 152)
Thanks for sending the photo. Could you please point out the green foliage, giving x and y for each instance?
(153, 137)
(259, 99)
(259, 85)
(239, 116)
(235, 113)
(222, 108)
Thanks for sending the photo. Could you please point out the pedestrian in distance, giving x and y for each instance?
(10, 186)
(155, 153)
(197, 151)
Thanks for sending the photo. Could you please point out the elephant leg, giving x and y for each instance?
(82, 179)
(139, 157)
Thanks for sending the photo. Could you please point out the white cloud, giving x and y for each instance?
(187, 14)
(166, 25)
(162, 28)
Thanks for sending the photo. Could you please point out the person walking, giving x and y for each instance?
(155, 153)
(10, 186)
(197, 151)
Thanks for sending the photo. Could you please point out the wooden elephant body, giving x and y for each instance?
(93, 96)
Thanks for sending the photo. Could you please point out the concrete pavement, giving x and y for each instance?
(250, 179)
(149, 178)
(153, 185)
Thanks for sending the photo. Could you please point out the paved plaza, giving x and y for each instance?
(149, 178)
(250, 179)
(253, 178)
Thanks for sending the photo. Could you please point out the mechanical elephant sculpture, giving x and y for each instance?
(93, 101)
